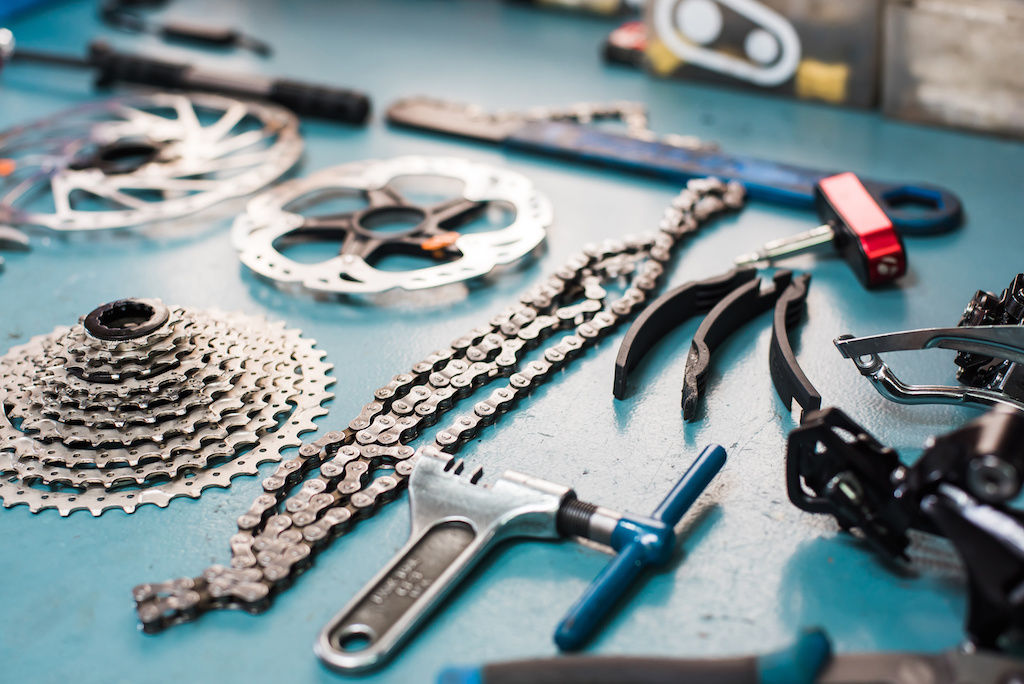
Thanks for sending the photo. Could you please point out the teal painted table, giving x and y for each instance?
(752, 568)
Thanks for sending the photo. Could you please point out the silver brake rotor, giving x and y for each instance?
(94, 417)
(138, 159)
(273, 217)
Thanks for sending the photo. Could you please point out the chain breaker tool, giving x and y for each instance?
(366, 465)
(456, 522)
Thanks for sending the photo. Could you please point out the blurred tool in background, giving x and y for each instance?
(126, 15)
(115, 68)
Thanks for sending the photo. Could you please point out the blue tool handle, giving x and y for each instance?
(599, 598)
(694, 481)
(640, 542)
(913, 209)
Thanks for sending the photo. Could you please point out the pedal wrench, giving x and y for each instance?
(914, 208)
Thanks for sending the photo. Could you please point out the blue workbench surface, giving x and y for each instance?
(753, 568)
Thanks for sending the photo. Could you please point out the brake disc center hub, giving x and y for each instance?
(120, 157)
(391, 222)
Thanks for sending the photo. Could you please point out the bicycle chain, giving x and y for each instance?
(367, 464)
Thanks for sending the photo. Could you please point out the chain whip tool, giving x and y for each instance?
(276, 542)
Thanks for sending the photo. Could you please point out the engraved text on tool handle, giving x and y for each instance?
(455, 522)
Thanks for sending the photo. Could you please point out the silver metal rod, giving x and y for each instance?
(789, 246)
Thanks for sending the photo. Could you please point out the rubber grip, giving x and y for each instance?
(338, 104)
(618, 670)
(114, 67)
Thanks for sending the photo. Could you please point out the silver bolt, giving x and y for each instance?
(992, 479)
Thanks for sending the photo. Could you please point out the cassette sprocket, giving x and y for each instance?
(95, 416)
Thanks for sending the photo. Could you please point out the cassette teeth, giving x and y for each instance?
(141, 403)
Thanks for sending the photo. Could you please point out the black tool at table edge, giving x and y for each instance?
(800, 663)
(115, 68)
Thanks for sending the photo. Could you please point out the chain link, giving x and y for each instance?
(368, 464)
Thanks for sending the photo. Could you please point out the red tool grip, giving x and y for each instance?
(864, 234)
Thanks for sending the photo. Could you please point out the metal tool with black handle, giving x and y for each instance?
(115, 68)
(456, 522)
(808, 660)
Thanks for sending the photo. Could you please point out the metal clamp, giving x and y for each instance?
(1003, 341)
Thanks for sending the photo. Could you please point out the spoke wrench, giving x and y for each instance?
(456, 522)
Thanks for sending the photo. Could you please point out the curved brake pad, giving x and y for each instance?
(791, 384)
(668, 312)
(728, 316)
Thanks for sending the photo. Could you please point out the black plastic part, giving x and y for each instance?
(126, 319)
(834, 466)
(115, 67)
(621, 670)
(729, 315)
(790, 382)
(988, 541)
(220, 36)
(668, 312)
(336, 104)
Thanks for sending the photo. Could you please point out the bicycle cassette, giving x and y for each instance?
(434, 241)
(139, 159)
(141, 403)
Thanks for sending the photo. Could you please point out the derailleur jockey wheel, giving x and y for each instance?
(430, 239)
(135, 160)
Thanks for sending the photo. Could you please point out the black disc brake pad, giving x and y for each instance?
(667, 313)
(728, 316)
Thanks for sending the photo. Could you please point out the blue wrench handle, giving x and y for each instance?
(639, 542)
(914, 209)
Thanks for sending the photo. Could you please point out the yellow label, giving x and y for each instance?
(822, 81)
(660, 58)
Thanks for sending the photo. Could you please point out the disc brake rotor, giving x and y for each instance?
(134, 160)
(273, 219)
(93, 417)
